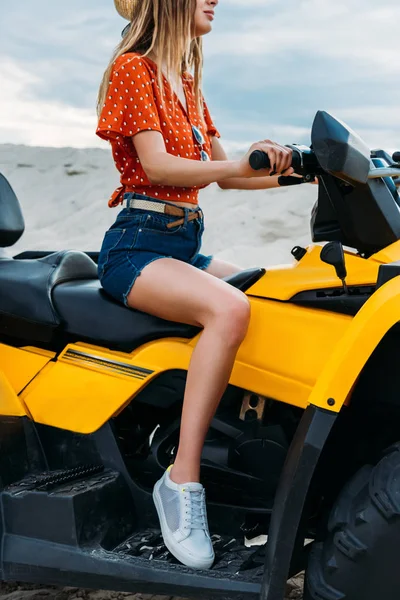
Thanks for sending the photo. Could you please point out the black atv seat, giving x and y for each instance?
(60, 294)
(26, 287)
(89, 314)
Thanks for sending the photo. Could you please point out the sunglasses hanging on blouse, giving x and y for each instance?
(198, 136)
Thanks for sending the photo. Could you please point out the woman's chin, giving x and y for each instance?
(203, 29)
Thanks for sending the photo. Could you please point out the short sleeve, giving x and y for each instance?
(130, 105)
(211, 129)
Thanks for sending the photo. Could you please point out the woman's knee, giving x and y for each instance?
(231, 315)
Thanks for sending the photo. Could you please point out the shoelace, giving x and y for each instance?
(195, 509)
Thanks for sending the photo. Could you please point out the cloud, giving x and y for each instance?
(289, 61)
(377, 125)
(269, 67)
(358, 34)
(26, 119)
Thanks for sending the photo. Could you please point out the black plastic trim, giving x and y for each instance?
(387, 272)
(335, 299)
(243, 280)
(105, 363)
(304, 453)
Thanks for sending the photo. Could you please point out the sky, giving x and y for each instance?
(269, 66)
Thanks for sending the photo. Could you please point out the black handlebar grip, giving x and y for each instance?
(259, 160)
(396, 156)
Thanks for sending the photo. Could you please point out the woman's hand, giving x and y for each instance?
(279, 156)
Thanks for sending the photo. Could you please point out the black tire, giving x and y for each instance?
(359, 559)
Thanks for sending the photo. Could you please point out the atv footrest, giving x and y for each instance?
(71, 507)
(80, 528)
(49, 480)
(141, 564)
(232, 557)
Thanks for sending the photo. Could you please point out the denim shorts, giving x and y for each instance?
(139, 237)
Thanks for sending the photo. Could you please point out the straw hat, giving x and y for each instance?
(126, 8)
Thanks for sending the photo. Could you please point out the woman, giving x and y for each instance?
(162, 136)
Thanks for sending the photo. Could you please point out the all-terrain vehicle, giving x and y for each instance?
(304, 447)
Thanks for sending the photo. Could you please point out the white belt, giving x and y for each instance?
(146, 205)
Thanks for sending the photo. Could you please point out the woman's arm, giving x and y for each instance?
(262, 182)
(165, 169)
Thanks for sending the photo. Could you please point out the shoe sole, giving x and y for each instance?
(183, 557)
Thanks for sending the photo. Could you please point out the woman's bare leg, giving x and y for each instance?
(176, 291)
(222, 268)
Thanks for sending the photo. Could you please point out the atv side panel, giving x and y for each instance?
(21, 365)
(10, 404)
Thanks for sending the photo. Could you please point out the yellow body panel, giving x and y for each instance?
(21, 365)
(388, 255)
(88, 385)
(285, 281)
(10, 404)
(285, 349)
(349, 356)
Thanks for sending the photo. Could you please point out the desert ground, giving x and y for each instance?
(16, 591)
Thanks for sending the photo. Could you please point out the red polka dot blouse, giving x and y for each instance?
(135, 103)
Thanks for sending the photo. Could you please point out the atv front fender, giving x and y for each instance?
(330, 392)
(342, 369)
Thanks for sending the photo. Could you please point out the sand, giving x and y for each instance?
(15, 591)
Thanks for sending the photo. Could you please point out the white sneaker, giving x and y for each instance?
(181, 508)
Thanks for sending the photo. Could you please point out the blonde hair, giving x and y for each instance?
(163, 28)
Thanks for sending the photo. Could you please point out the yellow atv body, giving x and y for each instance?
(91, 393)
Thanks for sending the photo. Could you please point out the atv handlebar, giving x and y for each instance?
(304, 162)
(260, 160)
